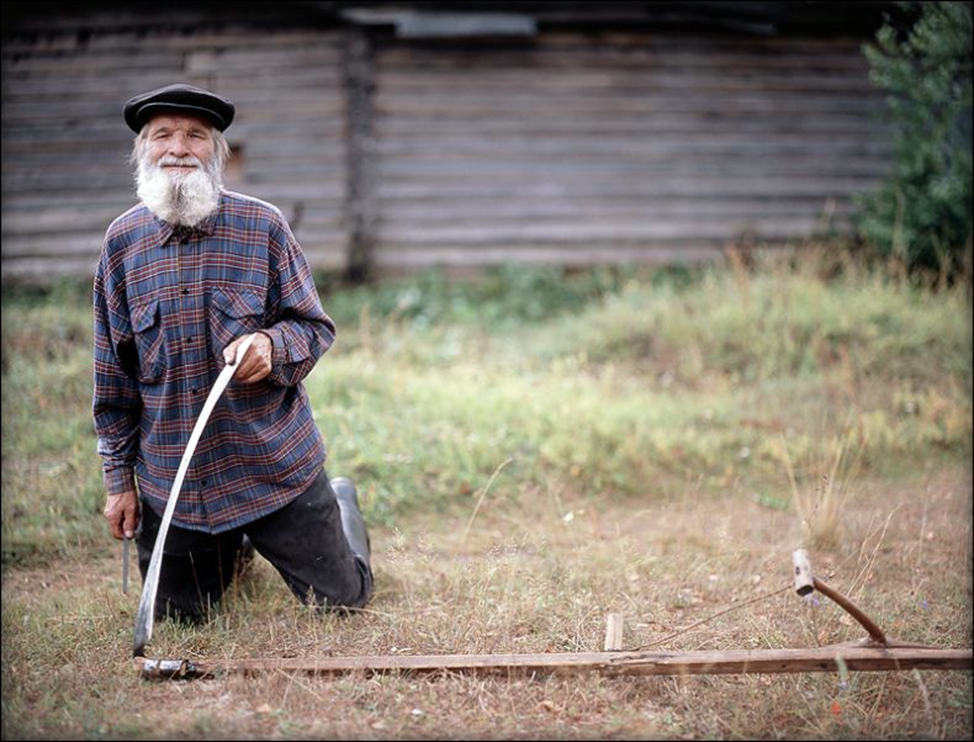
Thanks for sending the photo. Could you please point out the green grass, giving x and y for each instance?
(626, 381)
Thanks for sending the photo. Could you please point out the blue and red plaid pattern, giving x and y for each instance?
(167, 302)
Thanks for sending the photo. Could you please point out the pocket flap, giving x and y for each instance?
(144, 315)
(238, 302)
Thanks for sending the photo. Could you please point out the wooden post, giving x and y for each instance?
(613, 632)
(361, 210)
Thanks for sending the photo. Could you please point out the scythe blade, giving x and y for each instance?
(147, 604)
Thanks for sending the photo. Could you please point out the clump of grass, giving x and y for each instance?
(820, 498)
(781, 319)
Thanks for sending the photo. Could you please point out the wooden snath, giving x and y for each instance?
(877, 653)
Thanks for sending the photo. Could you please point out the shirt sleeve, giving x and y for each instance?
(302, 331)
(116, 402)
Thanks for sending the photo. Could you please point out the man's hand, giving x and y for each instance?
(256, 364)
(122, 514)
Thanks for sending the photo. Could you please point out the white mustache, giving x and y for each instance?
(188, 161)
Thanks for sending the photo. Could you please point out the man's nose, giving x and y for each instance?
(179, 145)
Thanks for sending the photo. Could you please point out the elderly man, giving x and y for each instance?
(183, 278)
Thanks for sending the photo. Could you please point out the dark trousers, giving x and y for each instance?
(303, 540)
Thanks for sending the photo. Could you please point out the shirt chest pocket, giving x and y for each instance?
(233, 313)
(150, 341)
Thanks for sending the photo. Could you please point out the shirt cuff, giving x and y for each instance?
(119, 480)
(277, 348)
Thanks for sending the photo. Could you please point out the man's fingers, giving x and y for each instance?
(114, 525)
(130, 522)
(230, 352)
(256, 363)
(122, 513)
(247, 365)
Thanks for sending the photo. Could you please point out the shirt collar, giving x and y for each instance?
(204, 229)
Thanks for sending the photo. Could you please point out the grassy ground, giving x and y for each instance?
(536, 450)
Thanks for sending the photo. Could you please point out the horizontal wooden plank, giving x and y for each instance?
(569, 232)
(657, 162)
(607, 188)
(461, 211)
(632, 143)
(527, 105)
(635, 36)
(639, 125)
(163, 56)
(612, 664)
(120, 42)
(636, 82)
(55, 219)
(696, 119)
(90, 243)
(584, 225)
(593, 56)
(323, 76)
(563, 38)
(444, 172)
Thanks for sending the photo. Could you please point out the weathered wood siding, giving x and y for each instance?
(65, 146)
(580, 148)
(571, 148)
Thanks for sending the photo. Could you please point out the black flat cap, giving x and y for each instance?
(178, 98)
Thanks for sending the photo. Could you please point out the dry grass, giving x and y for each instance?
(534, 575)
(820, 500)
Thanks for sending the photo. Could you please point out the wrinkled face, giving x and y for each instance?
(180, 161)
(179, 144)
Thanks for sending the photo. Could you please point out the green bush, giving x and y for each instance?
(921, 216)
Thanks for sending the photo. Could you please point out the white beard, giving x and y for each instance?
(177, 198)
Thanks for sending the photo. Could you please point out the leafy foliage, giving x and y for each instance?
(921, 216)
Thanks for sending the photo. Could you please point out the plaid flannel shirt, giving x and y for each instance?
(167, 302)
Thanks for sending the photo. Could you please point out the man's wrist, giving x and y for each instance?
(119, 480)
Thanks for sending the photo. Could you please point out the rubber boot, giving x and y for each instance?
(353, 524)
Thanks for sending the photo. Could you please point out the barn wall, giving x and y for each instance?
(569, 148)
(579, 148)
(65, 146)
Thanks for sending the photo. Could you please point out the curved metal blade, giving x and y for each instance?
(147, 604)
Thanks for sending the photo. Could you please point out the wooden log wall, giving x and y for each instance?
(580, 149)
(65, 146)
(569, 148)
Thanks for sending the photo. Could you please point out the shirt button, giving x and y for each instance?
(184, 292)
(195, 391)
